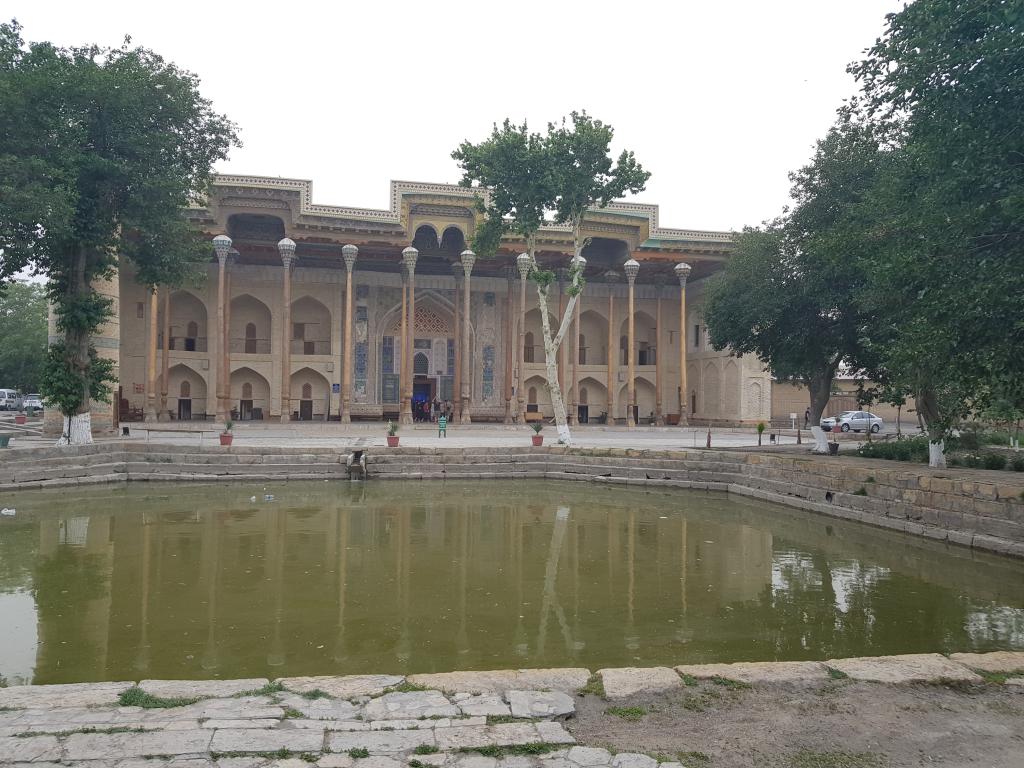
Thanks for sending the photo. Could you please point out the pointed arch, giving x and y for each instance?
(311, 327)
(593, 338)
(251, 326)
(250, 394)
(188, 322)
(645, 338)
(310, 382)
(731, 391)
(190, 388)
(712, 392)
(425, 239)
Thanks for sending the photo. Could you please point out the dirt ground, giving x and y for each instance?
(839, 724)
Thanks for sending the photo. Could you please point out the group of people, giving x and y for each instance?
(431, 411)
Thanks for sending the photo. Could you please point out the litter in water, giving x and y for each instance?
(8, 512)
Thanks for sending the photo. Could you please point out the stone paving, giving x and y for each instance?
(460, 720)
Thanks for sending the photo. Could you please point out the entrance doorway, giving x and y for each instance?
(423, 389)
(306, 403)
(185, 402)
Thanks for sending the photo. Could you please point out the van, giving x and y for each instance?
(10, 400)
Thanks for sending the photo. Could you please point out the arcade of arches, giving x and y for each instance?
(312, 313)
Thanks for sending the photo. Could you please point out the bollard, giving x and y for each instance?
(709, 437)
(798, 435)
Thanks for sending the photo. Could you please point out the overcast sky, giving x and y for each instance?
(719, 100)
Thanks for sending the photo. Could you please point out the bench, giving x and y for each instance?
(532, 416)
(192, 431)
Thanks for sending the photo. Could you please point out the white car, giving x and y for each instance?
(32, 401)
(10, 400)
(853, 421)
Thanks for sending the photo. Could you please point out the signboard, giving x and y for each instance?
(335, 388)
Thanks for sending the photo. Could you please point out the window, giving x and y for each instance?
(420, 365)
(307, 391)
(250, 338)
(192, 330)
(140, 310)
(185, 390)
(583, 350)
(696, 336)
(624, 350)
(528, 347)
(298, 331)
(583, 395)
(247, 391)
(531, 397)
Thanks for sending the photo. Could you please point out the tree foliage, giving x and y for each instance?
(22, 335)
(102, 148)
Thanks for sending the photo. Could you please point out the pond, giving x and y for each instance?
(200, 581)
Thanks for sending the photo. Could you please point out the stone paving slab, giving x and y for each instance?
(381, 741)
(531, 704)
(995, 661)
(29, 749)
(498, 681)
(345, 687)
(627, 681)
(248, 740)
(65, 695)
(410, 706)
(756, 673)
(195, 689)
(111, 746)
(908, 668)
(483, 704)
(321, 709)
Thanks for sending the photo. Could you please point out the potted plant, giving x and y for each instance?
(537, 437)
(760, 431)
(226, 437)
(5, 440)
(392, 434)
(20, 419)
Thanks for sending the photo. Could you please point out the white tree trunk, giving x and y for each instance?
(820, 440)
(551, 346)
(937, 454)
(77, 429)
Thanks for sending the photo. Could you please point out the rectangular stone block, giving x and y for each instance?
(114, 746)
(192, 689)
(907, 668)
(501, 680)
(760, 672)
(995, 661)
(627, 681)
(29, 749)
(67, 695)
(382, 741)
(254, 740)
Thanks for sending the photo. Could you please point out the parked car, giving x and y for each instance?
(10, 400)
(34, 401)
(853, 421)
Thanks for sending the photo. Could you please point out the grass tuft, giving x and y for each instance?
(690, 680)
(316, 693)
(631, 714)
(807, 758)
(728, 682)
(694, 757)
(290, 713)
(406, 687)
(538, 748)
(998, 678)
(359, 752)
(837, 674)
(594, 686)
(426, 749)
(136, 697)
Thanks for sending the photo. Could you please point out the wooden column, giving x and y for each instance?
(613, 354)
(164, 362)
(402, 370)
(349, 253)
(218, 336)
(509, 344)
(574, 366)
(468, 258)
(459, 274)
(287, 250)
(409, 256)
(682, 271)
(523, 264)
(226, 338)
(151, 357)
(631, 268)
(659, 417)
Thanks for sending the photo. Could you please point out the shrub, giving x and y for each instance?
(993, 461)
(972, 460)
(1017, 464)
(908, 449)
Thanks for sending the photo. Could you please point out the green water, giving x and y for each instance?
(198, 581)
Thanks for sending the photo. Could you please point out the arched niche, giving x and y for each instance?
(250, 395)
(311, 327)
(186, 392)
(251, 326)
(645, 339)
(594, 338)
(316, 406)
(188, 322)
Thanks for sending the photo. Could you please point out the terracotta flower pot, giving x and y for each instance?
(226, 438)
(392, 441)
(537, 439)
(19, 419)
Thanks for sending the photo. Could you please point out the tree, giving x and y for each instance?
(787, 292)
(944, 281)
(22, 335)
(102, 149)
(563, 173)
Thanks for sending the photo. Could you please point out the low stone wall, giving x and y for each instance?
(984, 510)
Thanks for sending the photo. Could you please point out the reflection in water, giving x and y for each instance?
(199, 581)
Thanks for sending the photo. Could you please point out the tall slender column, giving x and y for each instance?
(226, 338)
(613, 351)
(574, 367)
(509, 343)
(151, 358)
(523, 265)
(659, 418)
(468, 258)
(459, 274)
(409, 256)
(286, 247)
(631, 268)
(682, 271)
(164, 362)
(402, 369)
(222, 247)
(349, 253)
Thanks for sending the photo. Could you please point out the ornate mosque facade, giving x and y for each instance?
(321, 313)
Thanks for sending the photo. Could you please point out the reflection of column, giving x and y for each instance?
(342, 522)
(659, 419)
(409, 256)
(402, 368)
(162, 415)
(468, 258)
(509, 344)
(523, 264)
(349, 253)
(682, 271)
(222, 247)
(631, 267)
(279, 531)
(286, 247)
(151, 357)
(459, 273)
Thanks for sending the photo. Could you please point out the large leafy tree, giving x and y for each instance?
(560, 175)
(101, 150)
(944, 281)
(22, 335)
(787, 292)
